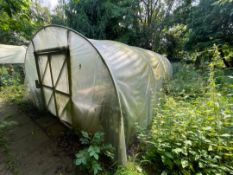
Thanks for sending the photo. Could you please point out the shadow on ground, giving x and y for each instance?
(38, 144)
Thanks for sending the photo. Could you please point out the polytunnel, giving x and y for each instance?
(94, 85)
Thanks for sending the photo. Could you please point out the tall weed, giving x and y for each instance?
(192, 132)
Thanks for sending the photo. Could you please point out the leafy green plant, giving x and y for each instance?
(89, 157)
(193, 135)
(11, 83)
(187, 82)
(11, 75)
(12, 93)
(129, 169)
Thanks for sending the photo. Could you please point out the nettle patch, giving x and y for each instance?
(193, 134)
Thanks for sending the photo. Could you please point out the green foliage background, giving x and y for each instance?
(171, 27)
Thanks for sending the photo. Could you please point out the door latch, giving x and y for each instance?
(38, 85)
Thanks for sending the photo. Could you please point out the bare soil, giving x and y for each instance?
(38, 144)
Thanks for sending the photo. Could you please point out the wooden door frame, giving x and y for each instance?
(50, 52)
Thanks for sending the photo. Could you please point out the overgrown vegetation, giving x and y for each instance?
(97, 157)
(192, 131)
(11, 83)
(91, 157)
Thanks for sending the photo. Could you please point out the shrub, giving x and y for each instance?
(11, 75)
(193, 135)
(11, 83)
(187, 81)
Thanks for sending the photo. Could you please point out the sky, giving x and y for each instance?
(49, 3)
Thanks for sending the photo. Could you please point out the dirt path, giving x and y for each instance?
(38, 144)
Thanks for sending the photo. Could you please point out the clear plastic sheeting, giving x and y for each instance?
(57, 62)
(136, 80)
(62, 83)
(50, 38)
(95, 85)
(10, 54)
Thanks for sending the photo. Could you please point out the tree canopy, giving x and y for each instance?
(210, 23)
(171, 27)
